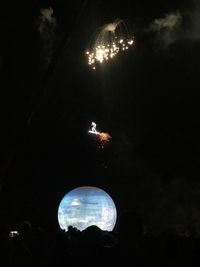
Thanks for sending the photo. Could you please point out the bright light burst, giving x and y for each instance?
(111, 39)
(102, 137)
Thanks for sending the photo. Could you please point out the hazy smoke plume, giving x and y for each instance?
(46, 19)
(194, 28)
(46, 28)
(169, 22)
(178, 25)
(167, 28)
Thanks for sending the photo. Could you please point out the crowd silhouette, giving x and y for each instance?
(130, 244)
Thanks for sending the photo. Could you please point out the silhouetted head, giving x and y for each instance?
(93, 236)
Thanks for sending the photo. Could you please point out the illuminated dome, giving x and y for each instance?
(85, 206)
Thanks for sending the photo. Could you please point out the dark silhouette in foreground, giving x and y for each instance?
(128, 245)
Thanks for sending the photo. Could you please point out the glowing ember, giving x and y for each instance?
(104, 138)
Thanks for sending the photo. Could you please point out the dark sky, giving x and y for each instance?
(147, 99)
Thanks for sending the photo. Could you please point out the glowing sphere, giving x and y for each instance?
(85, 206)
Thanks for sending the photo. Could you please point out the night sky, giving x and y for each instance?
(147, 99)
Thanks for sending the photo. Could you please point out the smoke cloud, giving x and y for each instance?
(193, 31)
(170, 22)
(46, 28)
(46, 19)
(167, 28)
(175, 26)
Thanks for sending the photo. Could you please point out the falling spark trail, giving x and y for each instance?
(110, 41)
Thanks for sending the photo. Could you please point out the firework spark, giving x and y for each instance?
(102, 137)
(111, 39)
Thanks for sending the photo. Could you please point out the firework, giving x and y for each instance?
(111, 39)
(93, 129)
(102, 137)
